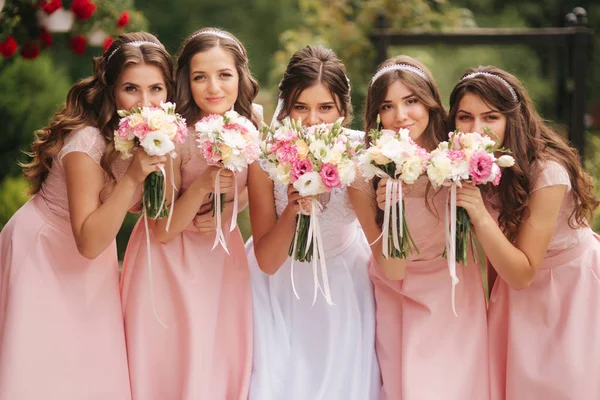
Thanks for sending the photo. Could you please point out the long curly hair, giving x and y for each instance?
(91, 102)
(531, 141)
(309, 66)
(203, 40)
(426, 91)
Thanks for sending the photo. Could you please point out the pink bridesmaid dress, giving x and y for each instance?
(204, 299)
(61, 327)
(425, 352)
(545, 340)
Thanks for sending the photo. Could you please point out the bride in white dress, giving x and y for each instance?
(304, 351)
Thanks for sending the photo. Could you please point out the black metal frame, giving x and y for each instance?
(574, 41)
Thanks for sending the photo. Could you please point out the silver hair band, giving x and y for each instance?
(220, 34)
(508, 86)
(136, 43)
(399, 67)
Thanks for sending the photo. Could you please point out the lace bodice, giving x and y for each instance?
(90, 141)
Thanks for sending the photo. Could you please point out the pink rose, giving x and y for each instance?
(141, 130)
(456, 155)
(496, 168)
(287, 153)
(124, 130)
(251, 152)
(480, 166)
(330, 176)
(235, 127)
(207, 152)
(299, 168)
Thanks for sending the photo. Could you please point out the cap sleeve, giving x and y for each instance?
(87, 140)
(551, 173)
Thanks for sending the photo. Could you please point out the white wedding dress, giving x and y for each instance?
(320, 352)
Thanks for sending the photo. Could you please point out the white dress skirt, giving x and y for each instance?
(318, 352)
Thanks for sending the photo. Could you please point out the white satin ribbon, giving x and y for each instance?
(451, 240)
(393, 205)
(318, 256)
(149, 254)
(172, 175)
(219, 235)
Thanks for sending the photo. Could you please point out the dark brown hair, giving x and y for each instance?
(308, 67)
(530, 140)
(424, 89)
(201, 41)
(91, 102)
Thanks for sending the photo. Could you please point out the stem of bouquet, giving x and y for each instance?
(154, 195)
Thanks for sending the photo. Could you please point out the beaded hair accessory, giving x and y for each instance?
(399, 67)
(220, 34)
(508, 86)
(136, 43)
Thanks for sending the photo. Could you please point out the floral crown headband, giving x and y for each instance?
(508, 86)
(136, 43)
(220, 34)
(399, 67)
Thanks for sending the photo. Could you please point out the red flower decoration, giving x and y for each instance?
(78, 44)
(83, 9)
(123, 20)
(45, 37)
(107, 43)
(8, 47)
(30, 50)
(50, 5)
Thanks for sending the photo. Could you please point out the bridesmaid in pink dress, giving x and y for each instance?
(204, 348)
(61, 327)
(544, 314)
(425, 352)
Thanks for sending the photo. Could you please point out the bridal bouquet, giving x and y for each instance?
(464, 157)
(156, 130)
(394, 155)
(231, 141)
(314, 160)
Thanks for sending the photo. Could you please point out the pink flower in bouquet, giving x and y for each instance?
(141, 130)
(480, 166)
(251, 151)
(124, 132)
(299, 168)
(207, 152)
(287, 153)
(456, 155)
(496, 168)
(330, 176)
(236, 127)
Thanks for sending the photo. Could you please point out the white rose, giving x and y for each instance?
(412, 169)
(506, 161)
(283, 173)
(157, 143)
(124, 147)
(439, 169)
(309, 184)
(347, 172)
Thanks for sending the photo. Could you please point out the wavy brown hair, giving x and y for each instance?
(308, 67)
(426, 91)
(91, 102)
(531, 141)
(200, 41)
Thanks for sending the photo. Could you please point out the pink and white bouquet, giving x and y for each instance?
(464, 157)
(315, 160)
(397, 157)
(233, 142)
(156, 130)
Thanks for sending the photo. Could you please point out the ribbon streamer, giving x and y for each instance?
(393, 205)
(149, 254)
(451, 241)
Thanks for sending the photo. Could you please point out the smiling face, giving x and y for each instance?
(402, 109)
(474, 115)
(140, 85)
(214, 81)
(316, 105)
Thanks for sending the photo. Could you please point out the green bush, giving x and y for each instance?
(13, 194)
(592, 166)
